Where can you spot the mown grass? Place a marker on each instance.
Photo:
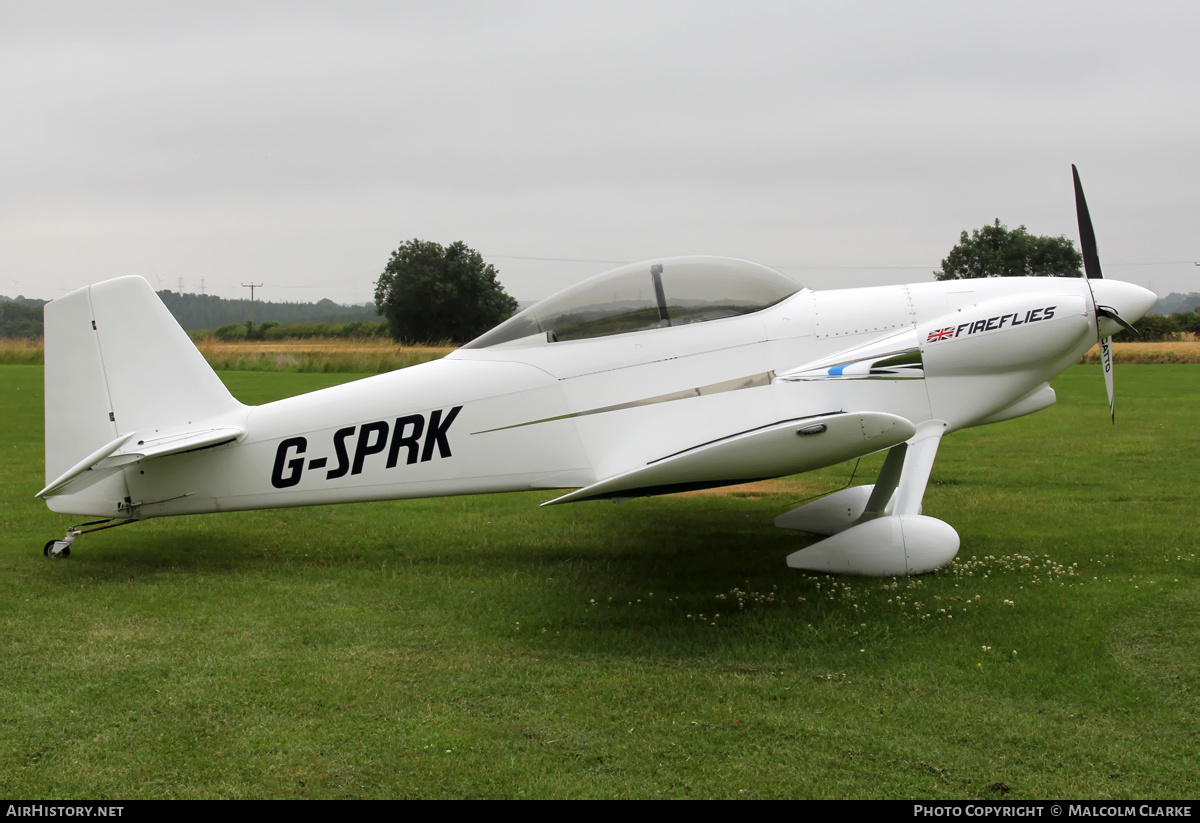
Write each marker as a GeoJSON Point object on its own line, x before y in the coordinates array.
{"type": "Point", "coordinates": [483, 647]}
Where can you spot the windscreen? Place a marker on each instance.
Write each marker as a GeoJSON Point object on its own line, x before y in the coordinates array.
{"type": "Point", "coordinates": [650, 295]}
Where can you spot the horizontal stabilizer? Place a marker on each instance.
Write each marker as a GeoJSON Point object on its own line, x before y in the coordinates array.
{"type": "Point", "coordinates": [787, 447]}
{"type": "Point", "coordinates": [82, 466]}
{"type": "Point", "coordinates": [125, 451]}
{"type": "Point", "coordinates": [177, 443]}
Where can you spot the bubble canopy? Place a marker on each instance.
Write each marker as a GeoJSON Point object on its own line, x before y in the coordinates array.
{"type": "Point", "coordinates": [651, 295]}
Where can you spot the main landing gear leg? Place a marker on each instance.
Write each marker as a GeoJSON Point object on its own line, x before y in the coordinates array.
{"type": "Point", "coordinates": [62, 548]}
{"type": "Point", "coordinates": [879, 530]}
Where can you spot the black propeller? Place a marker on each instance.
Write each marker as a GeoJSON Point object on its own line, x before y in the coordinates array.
{"type": "Point", "coordinates": [1111, 314]}
{"type": "Point", "coordinates": [1087, 235]}
{"type": "Point", "coordinates": [1091, 268]}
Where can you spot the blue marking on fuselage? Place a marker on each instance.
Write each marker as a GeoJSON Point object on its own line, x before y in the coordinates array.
{"type": "Point", "coordinates": [836, 370]}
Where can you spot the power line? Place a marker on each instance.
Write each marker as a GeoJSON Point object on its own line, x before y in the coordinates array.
{"type": "Point", "coordinates": [626, 262]}
{"type": "Point", "coordinates": [792, 266]}
{"type": "Point", "coordinates": [859, 268]}
{"type": "Point", "coordinates": [610, 262]}
{"type": "Point", "coordinates": [555, 259]}
{"type": "Point", "coordinates": [308, 286]}
{"type": "Point", "coordinates": [801, 266]}
{"type": "Point", "coordinates": [1154, 263]}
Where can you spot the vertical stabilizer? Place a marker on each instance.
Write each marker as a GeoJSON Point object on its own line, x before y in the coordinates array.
{"type": "Point", "coordinates": [117, 363]}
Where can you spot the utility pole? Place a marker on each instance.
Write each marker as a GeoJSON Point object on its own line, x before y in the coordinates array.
{"type": "Point", "coordinates": [252, 286]}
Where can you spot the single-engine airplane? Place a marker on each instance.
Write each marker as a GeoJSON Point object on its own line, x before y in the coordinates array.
{"type": "Point", "coordinates": [656, 377]}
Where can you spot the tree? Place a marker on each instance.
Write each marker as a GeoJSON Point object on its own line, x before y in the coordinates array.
{"type": "Point", "coordinates": [430, 294]}
{"type": "Point", "coordinates": [20, 320]}
{"type": "Point", "coordinates": [1151, 328]}
{"type": "Point", "coordinates": [994, 251]}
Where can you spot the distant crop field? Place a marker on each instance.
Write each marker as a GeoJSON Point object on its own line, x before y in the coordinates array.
{"type": "Point", "coordinates": [484, 647]}
{"type": "Point", "coordinates": [1180, 351]}
{"type": "Point", "coordinates": [316, 355]}
{"type": "Point", "coordinates": [20, 351]}
{"type": "Point", "coordinates": [309, 355]}
{"type": "Point", "coordinates": [366, 356]}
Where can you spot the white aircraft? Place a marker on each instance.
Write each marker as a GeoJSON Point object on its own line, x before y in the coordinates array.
{"type": "Point", "coordinates": [657, 377]}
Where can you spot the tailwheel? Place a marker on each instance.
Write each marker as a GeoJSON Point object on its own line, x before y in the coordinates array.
{"type": "Point", "coordinates": [57, 548]}
{"type": "Point", "coordinates": [62, 548]}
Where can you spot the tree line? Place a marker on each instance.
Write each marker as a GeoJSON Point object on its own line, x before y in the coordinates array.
{"type": "Point", "coordinates": [1160, 327]}
{"type": "Point", "coordinates": [270, 330]}
{"type": "Point", "coordinates": [207, 311]}
{"type": "Point", "coordinates": [431, 293]}
{"type": "Point", "coordinates": [22, 317]}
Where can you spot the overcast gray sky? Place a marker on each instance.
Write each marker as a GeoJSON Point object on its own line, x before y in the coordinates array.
{"type": "Point", "coordinates": [297, 144]}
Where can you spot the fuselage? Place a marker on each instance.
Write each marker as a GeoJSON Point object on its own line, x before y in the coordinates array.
{"type": "Point", "coordinates": [567, 413]}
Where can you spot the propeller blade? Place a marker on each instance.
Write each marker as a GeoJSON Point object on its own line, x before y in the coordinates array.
{"type": "Point", "coordinates": [1091, 268]}
{"type": "Point", "coordinates": [1087, 236]}
{"type": "Point", "coordinates": [1111, 314]}
{"type": "Point", "coordinates": [1106, 360]}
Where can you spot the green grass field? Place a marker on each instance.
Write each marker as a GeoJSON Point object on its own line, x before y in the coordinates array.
{"type": "Point", "coordinates": [483, 647]}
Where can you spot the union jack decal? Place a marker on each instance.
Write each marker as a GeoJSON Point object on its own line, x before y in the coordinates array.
{"type": "Point", "coordinates": [940, 334]}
